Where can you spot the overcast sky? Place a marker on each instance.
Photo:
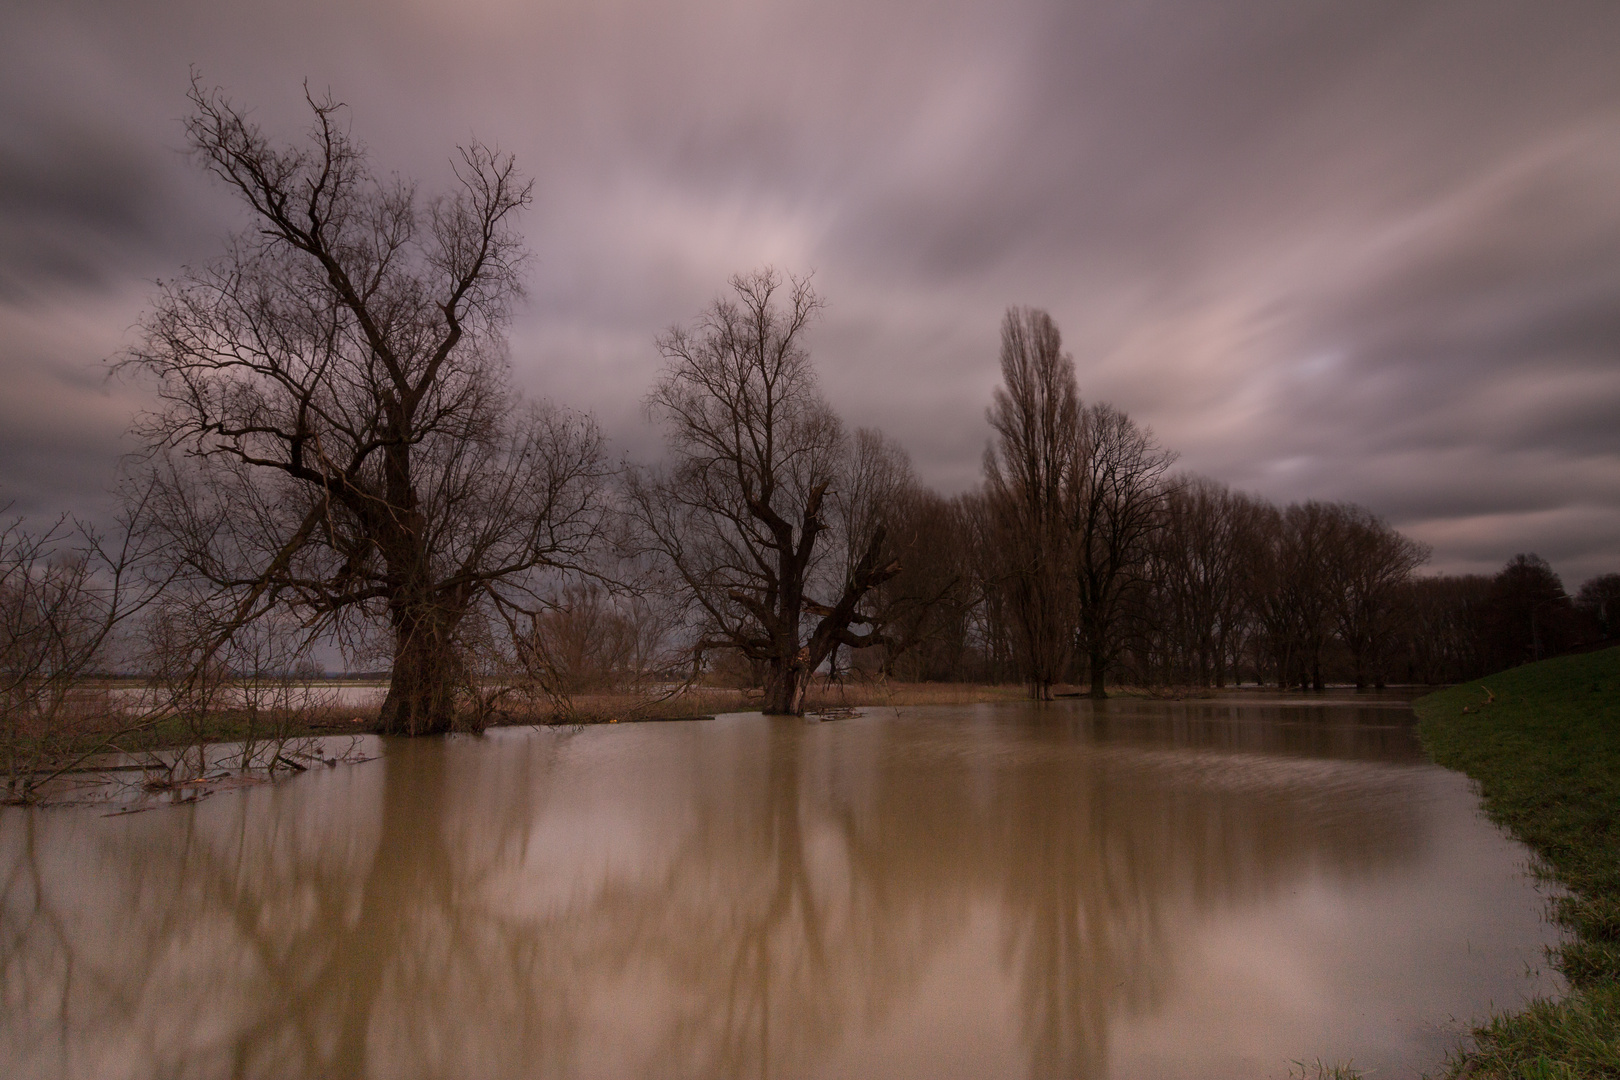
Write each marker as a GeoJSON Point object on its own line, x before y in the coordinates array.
{"type": "Point", "coordinates": [1364, 251]}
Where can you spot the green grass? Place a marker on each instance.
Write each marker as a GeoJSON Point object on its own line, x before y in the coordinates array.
{"type": "Point", "coordinates": [1543, 742]}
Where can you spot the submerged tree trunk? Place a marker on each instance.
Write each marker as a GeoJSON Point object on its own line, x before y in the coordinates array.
{"type": "Point", "coordinates": [422, 686]}
{"type": "Point", "coordinates": [1099, 668]}
{"type": "Point", "coordinates": [785, 686]}
{"type": "Point", "coordinates": [1358, 661]}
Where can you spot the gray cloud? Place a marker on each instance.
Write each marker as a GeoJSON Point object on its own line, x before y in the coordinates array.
{"type": "Point", "coordinates": [1337, 251]}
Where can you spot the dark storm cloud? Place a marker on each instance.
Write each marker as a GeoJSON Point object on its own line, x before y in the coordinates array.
{"type": "Point", "coordinates": [69, 209]}
{"type": "Point", "coordinates": [1365, 251]}
{"type": "Point", "coordinates": [1460, 372]}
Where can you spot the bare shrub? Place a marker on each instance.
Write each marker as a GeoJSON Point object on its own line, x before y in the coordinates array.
{"type": "Point", "coordinates": [63, 594]}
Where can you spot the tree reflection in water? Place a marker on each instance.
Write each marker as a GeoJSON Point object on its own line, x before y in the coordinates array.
{"type": "Point", "coordinates": [737, 898]}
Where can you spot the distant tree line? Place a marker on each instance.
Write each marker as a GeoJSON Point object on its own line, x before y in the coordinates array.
{"type": "Point", "coordinates": [1085, 560]}
{"type": "Point", "coordinates": [1231, 589]}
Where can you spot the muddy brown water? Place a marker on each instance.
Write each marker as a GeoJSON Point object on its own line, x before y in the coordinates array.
{"type": "Point", "coordinates": [1131, 889]}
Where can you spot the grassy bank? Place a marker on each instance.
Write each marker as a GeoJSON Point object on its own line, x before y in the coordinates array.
{"type": "Point", "coordinates": [1543, 741]}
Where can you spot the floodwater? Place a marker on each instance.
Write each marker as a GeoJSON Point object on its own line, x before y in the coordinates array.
{"type": "Point", "coordinates": [1130, 889]}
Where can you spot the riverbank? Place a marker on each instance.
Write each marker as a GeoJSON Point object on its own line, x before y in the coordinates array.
{"type": "Point", "coordinates": [350, 706]}
{"type": "Point", "coordinates": [823, 697]}
{"type": "Point", "coordinates": [1543, 742]}
{"type": "Point", "coordinates": [354, 706]}
{"type": "Point", "coordinates": [321, 709]}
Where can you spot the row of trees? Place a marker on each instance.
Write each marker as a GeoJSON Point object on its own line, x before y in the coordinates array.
{"type": "Point", "coordinates": [1461, 627]}
{"type": "Point", "coordinates": [338, 456]}
{"type": "Point", "coordinates": [1084, 559]}
{"type": "Point", "coordinates": [1228, 588]}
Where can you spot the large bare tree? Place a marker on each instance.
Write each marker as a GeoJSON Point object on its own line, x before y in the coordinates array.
{"type": "Point", "coordinates": [337, 428]}
{"type": "Point", "coordinates": [1029, 487]}
{"type": "Point", "coordinates": [757, 462]}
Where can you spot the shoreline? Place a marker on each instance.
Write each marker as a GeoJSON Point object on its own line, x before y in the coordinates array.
{"type": "Point", "coordinates": [337, 716]}
{"type": "Point", "coordinates": [1542, 742]}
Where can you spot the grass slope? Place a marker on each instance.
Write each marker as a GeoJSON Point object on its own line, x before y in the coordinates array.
{"type": "Point", "coordinates": [1543, 741]}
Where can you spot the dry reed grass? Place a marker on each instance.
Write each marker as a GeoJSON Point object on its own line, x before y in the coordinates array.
{"type": "Point", "coordinates": [611, 707]}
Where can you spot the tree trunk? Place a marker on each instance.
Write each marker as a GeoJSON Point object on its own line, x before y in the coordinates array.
{"type": "Point", "coordinates": [1099, 668]}
{"type": "Point", "coordinates": [422, 686]}
{"type": "Point", "coordinates": [785, 685]}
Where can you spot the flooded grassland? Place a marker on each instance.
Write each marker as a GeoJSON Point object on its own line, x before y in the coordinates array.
{"type": "Point", "coordinates": [1122, 889]}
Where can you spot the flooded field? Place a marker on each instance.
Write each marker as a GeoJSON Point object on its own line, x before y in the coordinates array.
{"type": "Point", "coordinates": [1131, 889]}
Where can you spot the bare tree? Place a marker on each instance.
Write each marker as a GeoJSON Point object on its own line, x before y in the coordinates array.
{"type": "Point", "coordinates": [1029, 486]}
{"type": "Point", "coordinates": [598, 639]}
{"type": "Point", "coordinates": [1292, 593]}
{"type": "Point", "coordinates": [1200, 564]}
{"type": "Point", "coordinates": [1444, 627]}
{"type": "Point", "coordinates": [882, 492]}
{"type": "Point", "coordinates": [1529, 616]}
{"type": "Point", "coordinates": [65, 592]}
{"type": "Point", "coordinates": [338, 438]}
{"type": "Point", "coordinates": [260, 684]}
{"type": "Point", "coordinates": [925, 610]}
{"type": "Point", "coordinates": [758, 461]}
{"type": "Point", "coordinates": [1599, 598]}
{"type": "Point", "coordinates": [878, 480]}
{"type": "Point", "coordinates": [988, 628]}
{"type": "Point", "coordinates": [1369, 566]}
{"type": "Point", "coordinates": [1117, 505]}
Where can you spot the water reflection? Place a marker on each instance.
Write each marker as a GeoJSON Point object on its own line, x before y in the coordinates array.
{"type": "Point", "coordinates": [970, 891]}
